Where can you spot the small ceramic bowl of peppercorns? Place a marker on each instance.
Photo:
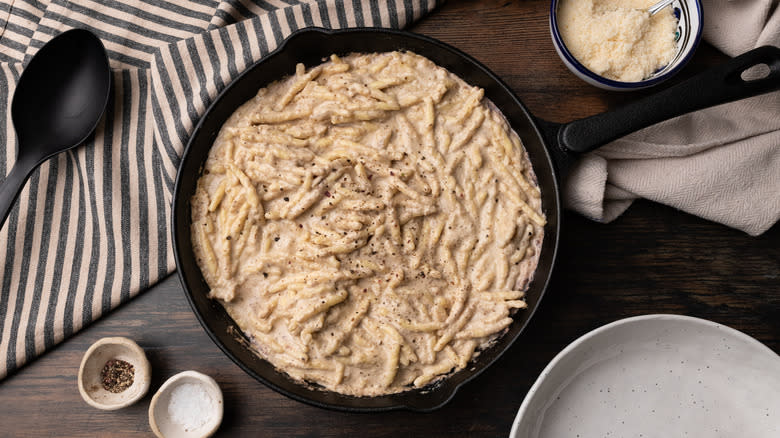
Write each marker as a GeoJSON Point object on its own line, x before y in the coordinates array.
{"type": "Point", "coordinates": [114, 373]}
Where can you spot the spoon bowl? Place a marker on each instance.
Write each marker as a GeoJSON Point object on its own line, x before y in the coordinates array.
{"type": "Point", "coordinates": [59, 100]}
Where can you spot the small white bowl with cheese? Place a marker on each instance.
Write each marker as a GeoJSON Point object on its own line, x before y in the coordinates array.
{"type": "Point", "coordinates": [617, 45]}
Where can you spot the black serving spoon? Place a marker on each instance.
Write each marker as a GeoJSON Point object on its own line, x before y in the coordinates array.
{"type": "Point", "coordinates": [59, 100]}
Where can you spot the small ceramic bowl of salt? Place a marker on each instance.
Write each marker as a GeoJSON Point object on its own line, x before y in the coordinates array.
{"type": "Point", "coordinates": [187, 405]}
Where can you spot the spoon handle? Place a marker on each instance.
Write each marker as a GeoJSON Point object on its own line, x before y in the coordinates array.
{"type": "Point", "coordinates": [658, 6]}
{"type": "Point", "coordinates": [13, 184]}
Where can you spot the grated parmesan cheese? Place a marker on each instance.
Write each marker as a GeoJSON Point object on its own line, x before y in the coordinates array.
{"type": "Point", "coordinates": [618, 39]}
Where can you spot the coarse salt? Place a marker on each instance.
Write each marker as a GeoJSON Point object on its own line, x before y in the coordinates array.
{"type": "Point", "coordinates": [618, 39]}
{"type": "Point", "coordinates": [190, 406]}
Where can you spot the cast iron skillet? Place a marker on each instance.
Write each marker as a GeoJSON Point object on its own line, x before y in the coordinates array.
{"type": "Point", "coordinates": [551, 148]}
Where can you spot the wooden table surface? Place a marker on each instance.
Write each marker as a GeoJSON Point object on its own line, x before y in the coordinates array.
{"type": "Point", "coordinates": [653, 259]}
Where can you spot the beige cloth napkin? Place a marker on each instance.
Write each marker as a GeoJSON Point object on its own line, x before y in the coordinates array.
{"type": "Point", "coordinates": [721, 163]}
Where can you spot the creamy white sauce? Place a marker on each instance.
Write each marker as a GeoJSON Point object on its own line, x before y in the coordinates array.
{"type": "Point", "coordinates": [369, 223]}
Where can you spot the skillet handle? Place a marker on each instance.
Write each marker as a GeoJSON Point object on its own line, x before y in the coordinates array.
{"type": "Point", "coordinates": [718, 85]}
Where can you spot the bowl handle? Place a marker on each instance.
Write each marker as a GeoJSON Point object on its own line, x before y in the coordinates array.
{"type": "Point", "coordinates": [717, 85]}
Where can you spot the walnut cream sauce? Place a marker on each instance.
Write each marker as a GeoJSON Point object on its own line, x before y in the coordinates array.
{"type": "Point", "coordinates": [370, 223]}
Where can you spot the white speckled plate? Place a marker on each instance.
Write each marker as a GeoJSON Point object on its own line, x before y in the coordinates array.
{"type": "Point", "coordinates": [656, 376]}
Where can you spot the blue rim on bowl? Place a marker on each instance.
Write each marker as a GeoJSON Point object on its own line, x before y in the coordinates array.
{"type": "Point", "coordinates": [687, 43]}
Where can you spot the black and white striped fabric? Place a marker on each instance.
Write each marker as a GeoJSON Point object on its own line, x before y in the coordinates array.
{"type": "Point", "coordinates": [91, 228]}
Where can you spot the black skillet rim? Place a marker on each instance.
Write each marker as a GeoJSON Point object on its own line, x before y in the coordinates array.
{"type": "Point", "coordinates": [423, 399]}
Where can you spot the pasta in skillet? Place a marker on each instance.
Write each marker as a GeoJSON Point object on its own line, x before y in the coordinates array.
{"type": "Point", "coordinates": [370, 223]}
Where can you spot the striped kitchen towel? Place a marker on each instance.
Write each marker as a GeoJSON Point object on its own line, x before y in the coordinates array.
{"type": "Point", "coordinates": [91, 228]}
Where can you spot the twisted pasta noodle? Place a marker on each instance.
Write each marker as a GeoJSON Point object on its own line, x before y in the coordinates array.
{"type": "Point", "coordinates": [370, 223]}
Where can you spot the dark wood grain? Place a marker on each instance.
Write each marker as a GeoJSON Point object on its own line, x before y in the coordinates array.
{"type": "Point", "coordinates": [653, 259]}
